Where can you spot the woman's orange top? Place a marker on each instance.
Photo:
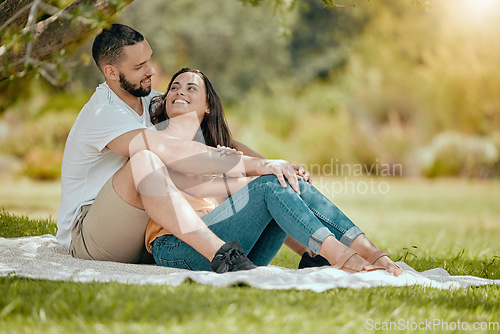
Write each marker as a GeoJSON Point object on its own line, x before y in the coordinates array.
{"type": "Point", "coordinates": [201, 205]}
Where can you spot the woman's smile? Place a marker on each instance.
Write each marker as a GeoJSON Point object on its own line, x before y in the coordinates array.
{"type": "Point", "coordinates": [180, 101]}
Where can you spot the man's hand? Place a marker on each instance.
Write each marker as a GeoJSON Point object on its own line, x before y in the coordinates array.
{"type": "Point", "coordinates": [223, 150]}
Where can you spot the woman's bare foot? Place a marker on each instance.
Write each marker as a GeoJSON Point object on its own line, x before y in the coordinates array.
{"type": "Point", "coordinates": [375, 256]}
{"type": "Point", "coordinates": [344, 258]}
{"type": "Point", "coordinates": [388, 265]}
{"type": "Point", "coordinates": [351, 262]}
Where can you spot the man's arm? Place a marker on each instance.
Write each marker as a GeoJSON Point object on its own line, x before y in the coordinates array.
{"type": "Point", "coordinates": [195, 158]}
{"type": "Point", "coordinates": [186, 156]}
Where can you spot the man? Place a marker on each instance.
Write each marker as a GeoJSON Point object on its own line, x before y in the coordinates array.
{"type": "Point", "coordinates": [114, 174]}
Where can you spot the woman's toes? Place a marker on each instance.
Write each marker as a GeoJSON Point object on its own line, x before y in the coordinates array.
{"type": "Point", "coordinates": [398, 271]}
{"type": "Point", "coordinates": [389, 266]}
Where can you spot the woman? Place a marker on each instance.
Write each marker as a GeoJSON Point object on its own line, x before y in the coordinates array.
{"type": "Point", "coordinates": [258, 212]}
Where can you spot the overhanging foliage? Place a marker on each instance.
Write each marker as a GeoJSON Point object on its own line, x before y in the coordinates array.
{"type": "Point", "coordinates": [37, 33]}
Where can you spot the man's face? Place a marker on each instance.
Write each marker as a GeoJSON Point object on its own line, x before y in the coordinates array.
{"type": "Point", "coordinates": [137, 90]}
{"type": "Point", "coordinates": [135, 70]}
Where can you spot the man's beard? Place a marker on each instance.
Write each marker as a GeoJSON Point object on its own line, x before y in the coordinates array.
{"type": "Point", "coordinates": [132, 89]}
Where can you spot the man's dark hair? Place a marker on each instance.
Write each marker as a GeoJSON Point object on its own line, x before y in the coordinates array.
{"type": "Point", "coordinates": [108, 45]}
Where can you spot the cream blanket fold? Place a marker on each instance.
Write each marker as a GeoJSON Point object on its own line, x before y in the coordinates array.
{"type": "Point", "coordinates": [41, 257]}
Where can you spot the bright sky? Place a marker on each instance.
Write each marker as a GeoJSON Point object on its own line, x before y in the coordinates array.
{"type": "Point", "coordinates": [476, 11]}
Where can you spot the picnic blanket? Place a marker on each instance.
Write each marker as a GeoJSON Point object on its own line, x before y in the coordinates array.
{"type": "Point", "coordinates": [41, 257]}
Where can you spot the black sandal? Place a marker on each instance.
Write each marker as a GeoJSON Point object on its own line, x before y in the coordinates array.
{"type": "Point", "coordinates": [308, 261]}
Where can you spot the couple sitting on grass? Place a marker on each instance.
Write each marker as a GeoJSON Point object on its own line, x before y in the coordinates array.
{"type": "Point", "coordinates": [148, 173]}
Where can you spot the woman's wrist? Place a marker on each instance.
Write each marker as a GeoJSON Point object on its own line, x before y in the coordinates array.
{"type": "Point", "coordinates": [256, 166]}
{"type": "Point", "coordinates": [263, 167]}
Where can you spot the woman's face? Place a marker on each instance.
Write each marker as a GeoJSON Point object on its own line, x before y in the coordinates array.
{"type": "Point", "coordinates": [187, 95]}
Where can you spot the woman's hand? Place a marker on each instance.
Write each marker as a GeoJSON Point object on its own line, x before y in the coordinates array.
{"type": "Point", "coordinates": [303, 173]}
{"type": "Point", "coordinates": [283, 170]}
{"type": "Point", "coordinates": [223, 150]}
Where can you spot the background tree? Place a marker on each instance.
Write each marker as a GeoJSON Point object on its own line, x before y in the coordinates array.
{"type": "Point", "coordinates": [35, 30]}
{"type": "Point", "coordinates": [383, 82]}
{"type": "Point", "coordinates": [38, 35]}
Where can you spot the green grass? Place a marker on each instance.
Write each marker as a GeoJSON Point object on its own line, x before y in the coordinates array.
{"type": "Point", "coordinates": [454, 224]}
{"type": "Point", "coordinates": [17, 226]}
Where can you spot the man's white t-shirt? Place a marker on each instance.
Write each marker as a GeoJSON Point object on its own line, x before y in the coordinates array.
{"type": "Point", "coordinates": [87, 162]}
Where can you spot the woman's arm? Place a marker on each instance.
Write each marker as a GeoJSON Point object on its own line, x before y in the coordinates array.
{"type": "Point", "coordinates": [209, 186]}
{"type": "Point", "coordinates": [246, 150]}
{"type": "Point", "coordinates": [299, 170]}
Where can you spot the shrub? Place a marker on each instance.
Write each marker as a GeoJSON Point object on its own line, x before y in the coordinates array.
{"type": "Point", "coordinates": [456, 154]}
{"type": "Point", "coordinates": [40, 144]}
{"type": "Point", "coordinates": [42, 164]}
{"type": "Point", "coordinates": [496, 168]}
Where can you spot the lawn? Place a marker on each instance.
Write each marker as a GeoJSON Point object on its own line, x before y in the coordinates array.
{"type": "Point", "coordinates": [449, 223]}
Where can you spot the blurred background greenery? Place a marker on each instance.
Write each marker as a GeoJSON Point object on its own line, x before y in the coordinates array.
{"type": "Point", "coordinates": [392, 82]}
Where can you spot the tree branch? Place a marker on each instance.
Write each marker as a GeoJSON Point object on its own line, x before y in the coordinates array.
{"type": "Point", "coordinates": [67, 30]}
{"type": "Point", "coordinates": [62, 29]}
{"type": "Point", "coordinates": [15, 11]}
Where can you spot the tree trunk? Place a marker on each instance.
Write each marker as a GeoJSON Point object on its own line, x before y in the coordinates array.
{"type": "Point", "coordinates": [9, 8]}
{"type": "Point", "coordinates": [58, 31]}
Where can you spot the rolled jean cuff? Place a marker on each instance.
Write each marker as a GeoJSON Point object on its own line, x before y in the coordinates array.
{"type": "Point", "coordinates": [350, 235]}
{"type": "Point", "coordinates": [317, 239]}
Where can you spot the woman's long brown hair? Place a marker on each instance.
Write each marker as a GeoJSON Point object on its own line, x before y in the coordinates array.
{"type": "Point", "coordinates": [214, 126]}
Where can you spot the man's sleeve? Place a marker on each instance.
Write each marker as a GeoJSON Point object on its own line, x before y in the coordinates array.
{"type": "Point", "coordinates": [105, 124]}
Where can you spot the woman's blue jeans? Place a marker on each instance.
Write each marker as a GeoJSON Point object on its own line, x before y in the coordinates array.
{"type": "Point", "coordinates": [260, 216]}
